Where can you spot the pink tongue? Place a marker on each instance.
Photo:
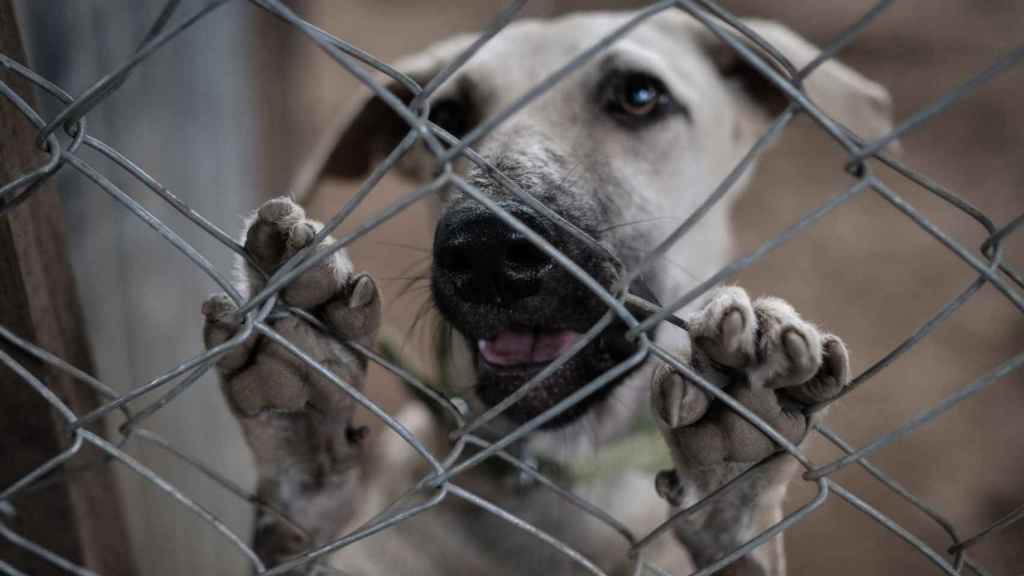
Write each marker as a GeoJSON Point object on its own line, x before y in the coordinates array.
{"type": "Point", "coordinates": [509, 348]}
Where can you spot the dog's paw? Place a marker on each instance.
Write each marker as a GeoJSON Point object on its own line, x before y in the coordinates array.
{"type": "Point", "coordinates": [349, 302]}
{"type": "Point", "coordinates": [763, 354]}
{"type": "Point", "coordinates": [261, 376]}
{"type": "Point", "coordinates": [296, 415]}
{"type": "Point", "coordinates": [278, 232]}
{"type": "Point", "coordinates": [776, 365]}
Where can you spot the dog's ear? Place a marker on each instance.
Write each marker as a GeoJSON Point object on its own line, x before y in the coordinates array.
{"type": "Point", "coordinates": [858, 103]}
{"type": "Point", "coordinates": [368, 129]}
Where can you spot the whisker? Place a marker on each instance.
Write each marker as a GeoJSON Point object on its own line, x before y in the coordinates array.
{"type": "Point", "coordinates": [636, 222]}
{"type": "Point", "coordinates": [570, 173]}
{"type": "Point", "coordinates": [411, 281]}
{"type": "Point", "coordinates": [425, 261]}
{"type": "Point", "coordinates": [643, 252]}
{"type": "Point", "coordinates": [403, 245]}
{"type": "Point", "coordinates": [424, 310]}
{"type": "Point", "coordinates": [443, 347]}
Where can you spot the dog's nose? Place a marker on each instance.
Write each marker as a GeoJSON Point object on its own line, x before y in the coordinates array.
{"type": "Point", "coordinates": [488, 261]}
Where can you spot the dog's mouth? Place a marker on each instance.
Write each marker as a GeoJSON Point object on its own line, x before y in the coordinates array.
{"type": "Point", "coordinates": [512, 357]}
{"type": "Point", "coordinates": [511, 349]}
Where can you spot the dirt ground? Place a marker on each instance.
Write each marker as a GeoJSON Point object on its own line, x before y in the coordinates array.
{"type": "Point", "coordinates": [865, 271]}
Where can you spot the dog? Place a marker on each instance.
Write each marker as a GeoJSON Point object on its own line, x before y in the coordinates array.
{"type": "Point", "coordinates": [619, 152]}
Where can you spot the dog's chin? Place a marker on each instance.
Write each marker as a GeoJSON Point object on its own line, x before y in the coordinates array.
{"type": "Point", "coordinates": [511, 358]}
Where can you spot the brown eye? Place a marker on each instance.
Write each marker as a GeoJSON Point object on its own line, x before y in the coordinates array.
{"type": "Point", "coordinates": [639, 95]}
{"type": "Point", "coordinates": [637, 99]}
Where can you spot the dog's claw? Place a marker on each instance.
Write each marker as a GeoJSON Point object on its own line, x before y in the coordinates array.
{"type": "Point", "coordinates": [724, 328]}
{"type": "Point", "coordinates": [677, 402]}
{"type": "Point", "coordinates": [363, 292]}
{"type": "Point", "coordinates": [733, 328]}
{"type": "Point", "coordinates": [803, 361]}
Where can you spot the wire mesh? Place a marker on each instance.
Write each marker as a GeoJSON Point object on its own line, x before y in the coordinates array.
{"type": "Point", "coordinates": [62, 154]}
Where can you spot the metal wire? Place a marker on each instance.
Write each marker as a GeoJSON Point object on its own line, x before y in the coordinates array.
{"type": "Point", "coordinates": [986, 262]}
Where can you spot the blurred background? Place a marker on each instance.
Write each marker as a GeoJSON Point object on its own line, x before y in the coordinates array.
{"type": "Point", "coordinates": [226, 114]}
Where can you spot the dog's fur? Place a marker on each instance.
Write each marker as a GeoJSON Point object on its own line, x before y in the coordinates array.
{"type": "Point", "coordinates": [626, 185]}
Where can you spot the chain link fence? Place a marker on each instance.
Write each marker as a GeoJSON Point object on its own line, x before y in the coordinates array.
{"type": "Point", "coordinates": [63, 136]}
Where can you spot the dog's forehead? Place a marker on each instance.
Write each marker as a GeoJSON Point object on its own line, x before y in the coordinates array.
{"type": "Point", "coordinates": [528, 51]}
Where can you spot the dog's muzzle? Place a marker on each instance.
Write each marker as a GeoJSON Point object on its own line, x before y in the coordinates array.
{"type": "Point", "coordinates": [518, 307]}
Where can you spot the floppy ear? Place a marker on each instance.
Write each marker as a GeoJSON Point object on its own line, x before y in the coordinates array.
{"type": "Point", "coordinates": [368, 129]}
{"type": "Point", "coordinates": [848, 97]}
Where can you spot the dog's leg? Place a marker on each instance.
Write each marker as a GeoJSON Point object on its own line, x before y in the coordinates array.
{"type": "Point", "coordinates": [295, 420]}
{"type": "Point", "coordinates": [775, 364]}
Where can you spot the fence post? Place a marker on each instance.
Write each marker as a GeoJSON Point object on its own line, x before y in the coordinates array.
{"type": "Point", "coordinates": [79, 520]}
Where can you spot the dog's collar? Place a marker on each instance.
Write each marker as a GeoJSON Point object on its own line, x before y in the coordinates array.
{"type": "Point", "coordinates": [642, 450]}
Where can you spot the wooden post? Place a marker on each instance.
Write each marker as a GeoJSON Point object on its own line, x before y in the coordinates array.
{"type": "Point", "coordinates": [79, 519]}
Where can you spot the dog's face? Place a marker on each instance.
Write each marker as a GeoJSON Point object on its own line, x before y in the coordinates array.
{"type": "Point", "coordinates": [623, 149]}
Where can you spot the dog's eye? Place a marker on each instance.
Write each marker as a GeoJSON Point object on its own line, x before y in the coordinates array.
{"type": "Point", "coordinates": [637, 97]}
{"type": "Point", "coordinates": [450, 114]}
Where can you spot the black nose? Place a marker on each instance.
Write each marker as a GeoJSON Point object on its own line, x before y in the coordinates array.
{"type": "Point", "coordinates": [486, 261]}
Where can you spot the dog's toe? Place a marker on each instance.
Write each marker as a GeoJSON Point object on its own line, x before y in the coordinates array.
{"type": "Point", "coordinates": [675, 400]}
{"type": "Point", "coordinates": [789, 349]}
{"type": "Point", "coordinates": [725, 327]}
